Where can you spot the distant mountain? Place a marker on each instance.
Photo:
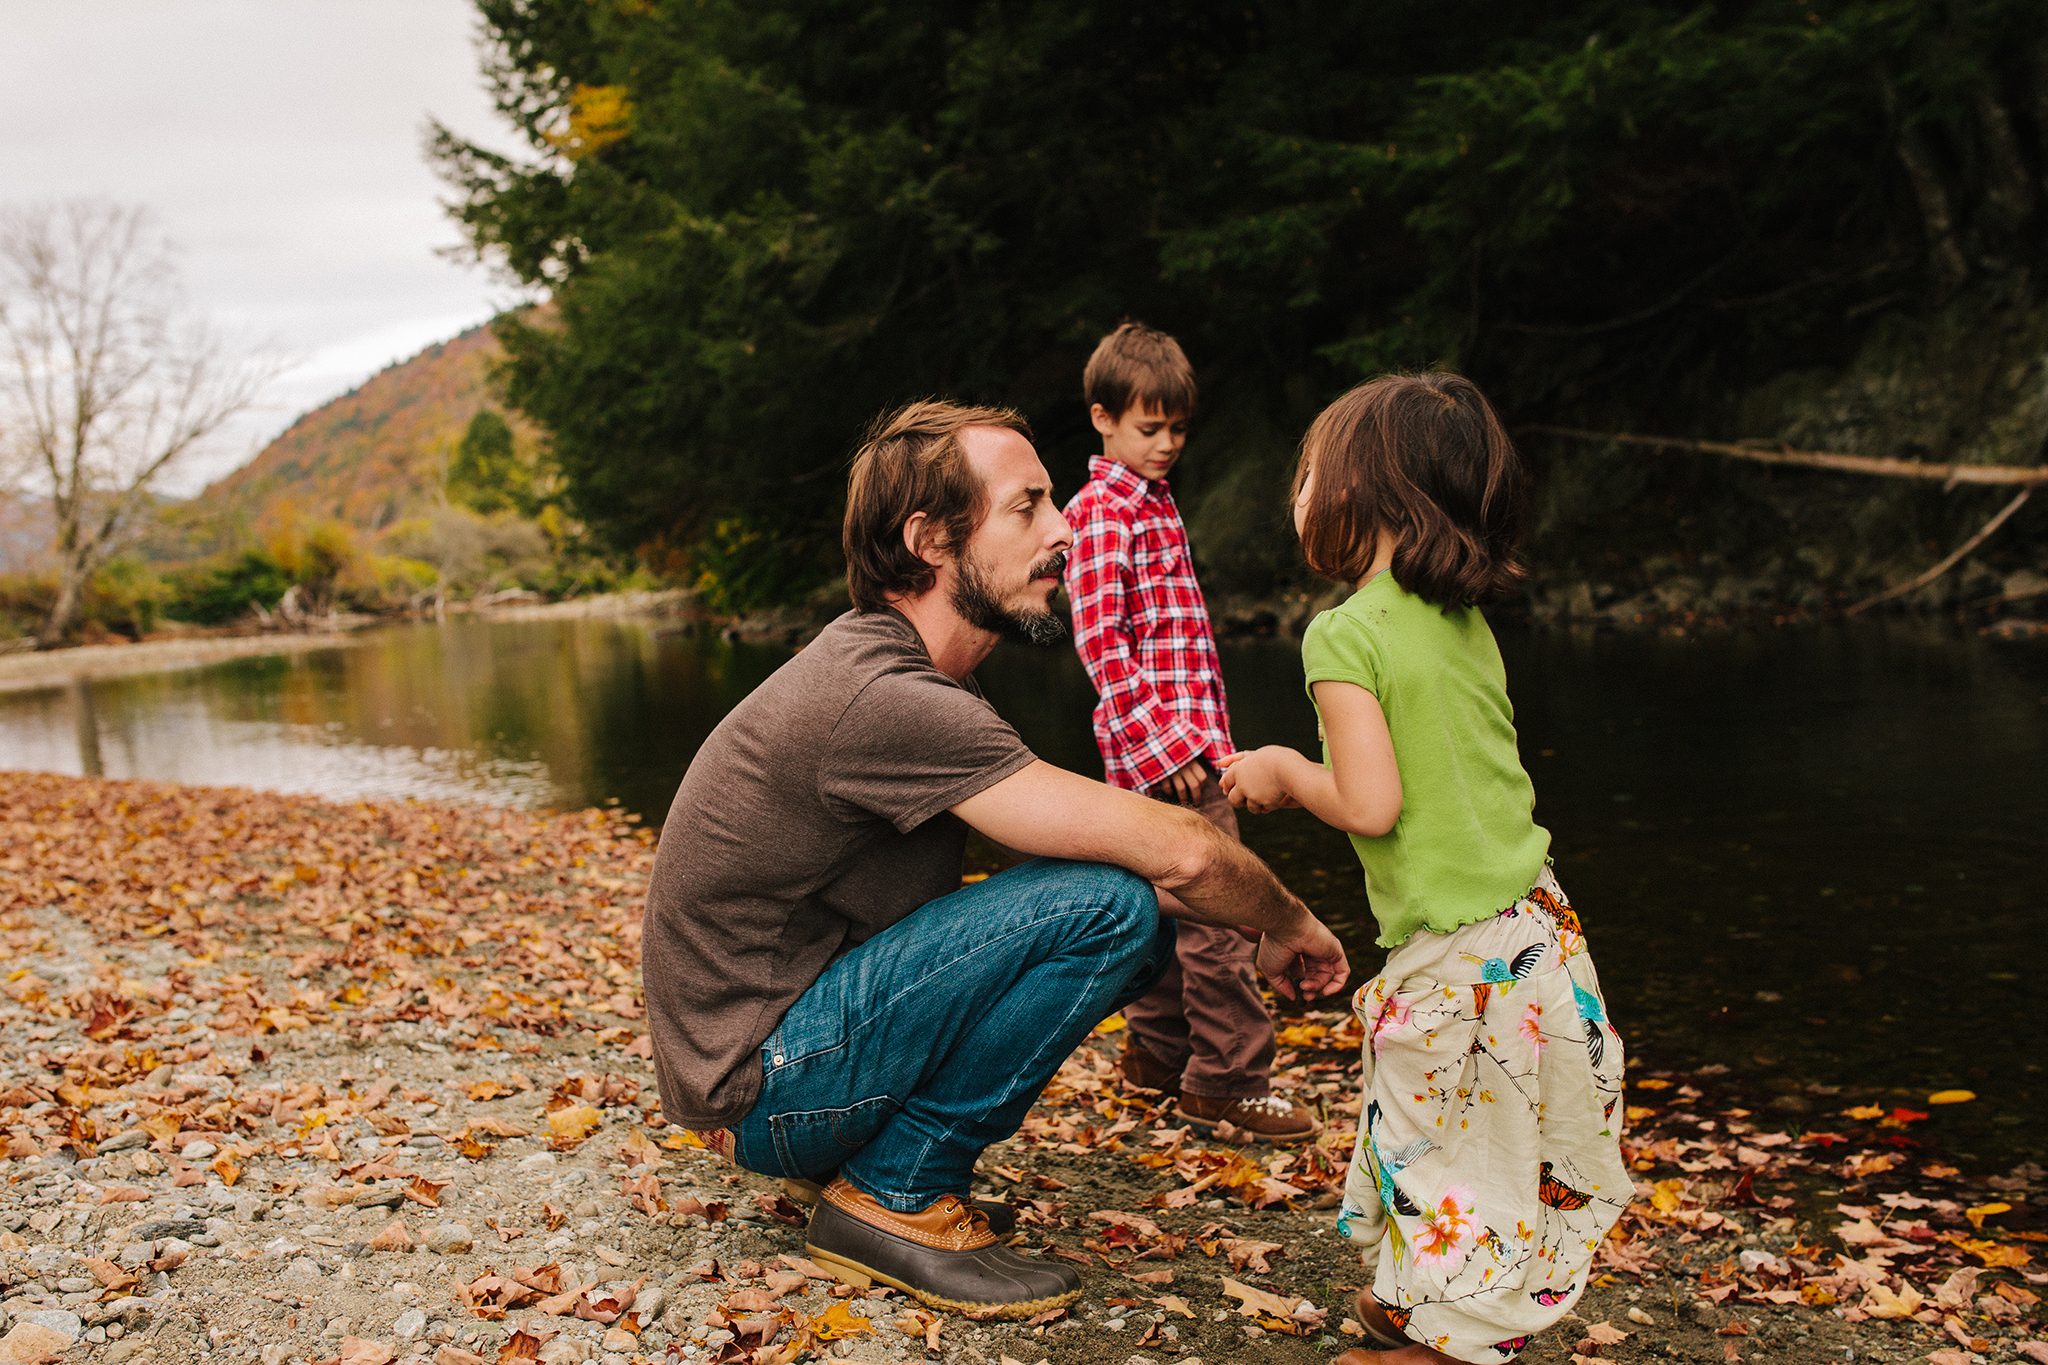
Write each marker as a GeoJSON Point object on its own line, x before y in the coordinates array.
{"type": "Point", "coordinates": [372, 456]}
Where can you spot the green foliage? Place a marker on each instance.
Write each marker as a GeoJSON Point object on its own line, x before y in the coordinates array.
{"type": "Point", "coordinates": [763, 222]}
{"type": "Point", "coordinates": [215, 593]}
{"type": "Point", "coordinates": [487, 474]}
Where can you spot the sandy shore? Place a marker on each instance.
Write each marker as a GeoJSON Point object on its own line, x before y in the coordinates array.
{"type": "Point", "coordinates": [28, 672]}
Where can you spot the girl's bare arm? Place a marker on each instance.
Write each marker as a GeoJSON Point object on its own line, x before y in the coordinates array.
{"type": "Point", "coordinates": [1359, 793]}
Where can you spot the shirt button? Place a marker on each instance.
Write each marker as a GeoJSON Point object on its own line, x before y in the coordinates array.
{"type": "Point", "coordinates": [778, 1059]}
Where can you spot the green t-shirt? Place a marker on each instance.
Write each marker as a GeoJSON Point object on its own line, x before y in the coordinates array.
{"type": "Point", "coordinates": [1466, 845]}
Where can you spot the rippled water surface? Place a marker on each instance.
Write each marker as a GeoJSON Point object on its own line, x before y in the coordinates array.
{"type": "Point", "coordinates": [1813, 858]}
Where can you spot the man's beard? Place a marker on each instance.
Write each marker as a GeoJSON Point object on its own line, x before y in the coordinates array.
{"type": "Point", "coordinates": [979, 606]}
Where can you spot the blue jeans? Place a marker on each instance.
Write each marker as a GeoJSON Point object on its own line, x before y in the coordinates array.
{"type": "Point", "coordinates": [921, 1046]}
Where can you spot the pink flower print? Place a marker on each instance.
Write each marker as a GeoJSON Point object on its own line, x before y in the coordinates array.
{"type": "Point", "coordinates": [1532, 1027]}
{"type": "Point", "coordinates": [1445, 1234]}
{"type": "Point", "coordinates": [1393, 1014]}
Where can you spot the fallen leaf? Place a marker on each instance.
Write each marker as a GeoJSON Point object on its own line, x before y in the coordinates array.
{"type": "Point", "coordinates": [575, 1122]}
{"type": "Point", "coordinates": [394, 1237]}
{"type": "Point", "coordinates": [124, 1194]}
{"type": "Point", "coordinates": [358, 1351]}
{"type": "Point", "coordinates": [838, 1322]}
{"type": "Point", "coordinates": [1978, 1213]}
{"type": "Point", "coordinates": [1173, 1303]}
{"type": "Point", "coordinates": [1952, 1097]}
{"type": "Point", "coordinates": [1605, 1334]}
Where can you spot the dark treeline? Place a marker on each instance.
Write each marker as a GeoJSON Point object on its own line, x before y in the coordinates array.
{"type": "Point", "coordinates": [764, 220]}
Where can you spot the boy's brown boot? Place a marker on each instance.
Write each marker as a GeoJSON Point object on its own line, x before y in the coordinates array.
{"type": "Point", "coordinates": [944, 1256]}
{"type": "Point", "coordinates": [1144, 1071]}
{"type": "Point", "coordinates": [1266, 1119]}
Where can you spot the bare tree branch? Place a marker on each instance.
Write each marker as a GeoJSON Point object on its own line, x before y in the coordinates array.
{"type": "Point", "coordinates": [1882, 466]}
{"type": "Point", "coordinates": [1954, 559]}
{"type": "Point", "coordinates": [107, 385]}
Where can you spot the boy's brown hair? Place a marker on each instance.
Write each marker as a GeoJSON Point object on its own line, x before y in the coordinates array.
{"type": "Point", "coordinates": [1422, 456]}
{"type": "Point", "coordinates": [911, 461]}
{"type": "Point", "coordinates": [1140, 364]}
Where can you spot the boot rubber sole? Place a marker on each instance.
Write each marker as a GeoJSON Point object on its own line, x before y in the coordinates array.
{"type": "Point", "coordinates": [1208, 1126]}
{"type": "Point", "coordinates": [865, 1277]}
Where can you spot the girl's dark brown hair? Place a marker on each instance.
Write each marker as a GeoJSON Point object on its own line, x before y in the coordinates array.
{"type": "Point", "coordinates": [1424, 457]}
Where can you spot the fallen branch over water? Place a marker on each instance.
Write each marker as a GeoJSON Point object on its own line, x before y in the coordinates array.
{"type": "Point", "coordinates": [1949, 474]}
{"type": "Point", "coordinates": [1949, 563]}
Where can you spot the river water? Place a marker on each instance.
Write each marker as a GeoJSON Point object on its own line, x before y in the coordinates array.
{"type": "Point", "coordinates": [1813, 858]}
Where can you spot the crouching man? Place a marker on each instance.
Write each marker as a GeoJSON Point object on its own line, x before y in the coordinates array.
{"type": "Point", "coordinates": [828, 1003]}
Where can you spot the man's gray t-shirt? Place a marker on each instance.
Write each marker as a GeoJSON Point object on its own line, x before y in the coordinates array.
{"type": "Point", "coordinates": [814, 817]}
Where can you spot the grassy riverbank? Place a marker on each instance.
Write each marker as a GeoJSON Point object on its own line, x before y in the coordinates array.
{"type": "Point", "coordinates": [292, 1081]}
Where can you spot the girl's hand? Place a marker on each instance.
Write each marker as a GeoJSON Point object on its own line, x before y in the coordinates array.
{"type": "Point", "coordinates": [1255, 782]}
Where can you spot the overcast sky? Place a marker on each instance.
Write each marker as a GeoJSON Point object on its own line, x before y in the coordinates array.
{"type": "Point", "coordinates": [278, 141]}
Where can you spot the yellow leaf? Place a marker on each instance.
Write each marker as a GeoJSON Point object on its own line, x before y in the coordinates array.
{"type": "Point", "coordinates": [1864, 1111]}
{"type": "Point", "coordinates": [1111, 1024]}
{"type": "Point", "coordinates": [1883, 1303]}
{"type": "Point", "coordinates": [839, 1321]}
{"type": "Point", "coordinates": [575, 1122]}
{"type": "Point", "coordinates": [1952, 1097]}
{"type": "Point", "coordinates": [1980, 1212]}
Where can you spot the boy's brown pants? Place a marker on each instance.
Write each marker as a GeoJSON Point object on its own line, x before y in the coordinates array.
{"type": "Point", "coordinates": [1206, 1018]}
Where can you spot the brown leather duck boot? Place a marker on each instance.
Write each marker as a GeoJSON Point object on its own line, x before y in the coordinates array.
{"type": "Point", "coordinates": [944, 1257]}
{"type": "Point", "coordinates": [1002, 1219]}
{"type": "Point", "coordinates": [1266, 1119]}
{"type": "Point", "coordinates": [1144, 1071]}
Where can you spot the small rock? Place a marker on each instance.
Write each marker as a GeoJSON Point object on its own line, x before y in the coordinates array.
{"type": "Point", "coordinates": [1637, 1315]}
{"type": "Point", "coordinates": [121, 1350]}
{"type": "Point", "coordinates": [388, 1197]}
{"type": "Point", "coordinates": [201, 1150]}
{"type": "Point", "coordinates": [305, 1268]}
{"type": "Point", "coordinates": [565, 1350]}
{"type": "Point", "coordinates": [613, 1358]}
{"type": "Point", "coordinates": [421, 1140]}
{"type": "Point", "coordinates": [450, 1239]}
{"type": "Point", "coordinates": [57, 1320]}
{"type": "Point", "coordinates": [167, 1227]}
{"type": "Point", "coordinates": [1113, 1325]}
{"type": "Point", "coordinates": [539, 1161]}
{"type": "Point", "coordinates": [121, 1142]}
{"type": "Point", "coordinates": [619, 1339]}
{"type": "Point", "coordinates": [409, 1325]}
{"type": "Point", "coordinates": [160, 1077]}
{"type": "Point", "coordinates": [135, 1255]}
{"type": "Point", "coordinates": [76, 1284]}
{"type": "Point", "coordinates": [647, 1303]}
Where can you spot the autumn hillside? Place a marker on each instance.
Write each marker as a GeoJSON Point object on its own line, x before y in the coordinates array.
{"type": "Point", "coordinates": [374, 454]}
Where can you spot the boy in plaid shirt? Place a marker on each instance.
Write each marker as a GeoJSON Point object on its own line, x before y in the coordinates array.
{"type": "Point", "coordinates": [1203, 1034]}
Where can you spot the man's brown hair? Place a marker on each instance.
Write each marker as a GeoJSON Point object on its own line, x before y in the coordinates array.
{"type": "Point", "coordinates": [1424, 457]}
{"type": "Point", "coordinates": [1140, 364]}
{"type": "Point", "coordinates": [911, 461]}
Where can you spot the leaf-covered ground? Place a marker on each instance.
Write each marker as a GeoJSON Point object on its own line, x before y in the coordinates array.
{"type": "Point", "coordinates": [290, 1081]}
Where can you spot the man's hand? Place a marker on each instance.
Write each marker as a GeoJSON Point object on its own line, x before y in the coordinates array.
{"type": "Point", "coordinates": [1253, 780]}
{"type": "Point", "coordinates": [1185, 785]}
{"type": "Point", "coordinates": [1306, 959]}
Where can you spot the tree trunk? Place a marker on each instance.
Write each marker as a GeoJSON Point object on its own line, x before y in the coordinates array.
{"type": "Point", "coordinates": [64, 611]}
{"type": "Point", "coordinates": [1936, 217]}
{"type": "Point", "coordinates": [2010, 196]}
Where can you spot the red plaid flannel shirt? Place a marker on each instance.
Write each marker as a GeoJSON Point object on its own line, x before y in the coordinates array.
{"type": "Point", "coordinates": [1142, 629]}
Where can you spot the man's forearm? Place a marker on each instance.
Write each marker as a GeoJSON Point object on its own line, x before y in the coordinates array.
{"type": "Point", "coordinates": [1222, 882]}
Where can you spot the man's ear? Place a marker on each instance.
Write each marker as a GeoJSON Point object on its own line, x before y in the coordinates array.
{"type": "Point", "coordinates": [921, 538]}
{"type": "Point", "coordinates": [1105, 425]}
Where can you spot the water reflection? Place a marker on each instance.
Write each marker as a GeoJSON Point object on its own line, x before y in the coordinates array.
{"type": "Point", "coordinates": [1813, 858]}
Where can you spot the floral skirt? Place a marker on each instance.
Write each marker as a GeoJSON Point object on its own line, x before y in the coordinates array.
{"type": "Point", "coordinates": [1488, 1166]}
